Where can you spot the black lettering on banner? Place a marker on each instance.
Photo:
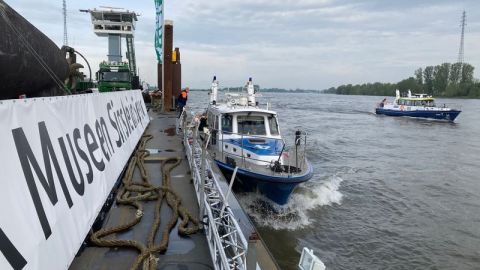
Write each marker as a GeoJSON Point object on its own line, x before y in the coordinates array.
{"type": "Point", "coordinates": [134, 119]}
{"type": "Point", "coordinates": [101, 139]}
{"type": "Point", "coordinates": [106, 135]}
{"type": "Point", "coordinates": [125, 117]}
{"type": "Point", "coordinates": [79, 187]}
{"type": "Point", "coordinates": [79, 170]}
{"type": "Point", "coordinates": [114, 124]}
{"type": "Point", "coordinates": [27, 158]}
{"type": "Point", "coordinates": [137, 111]}
{"type": "Point", "coordinates": [83, 155]}
{"type": "Point", "coordinates": [125, 127]}
{"type": "Point", "coordinates": [92, 146]}
{"type": "Point", "coordinates": [140, 109]}
{"type": "Point", "coordinates": [13, 256]}
{"type": "Point", "coordinates": [119, 124]}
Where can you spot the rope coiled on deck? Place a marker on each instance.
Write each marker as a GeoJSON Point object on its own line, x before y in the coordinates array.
{"type": "Point", "coordinates": [134, 194]}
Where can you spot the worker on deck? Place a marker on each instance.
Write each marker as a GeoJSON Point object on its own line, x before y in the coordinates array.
{"type": "Point", "coordinates": [182, 100]}
{"type": "Point", "coordinates": [382, 104]}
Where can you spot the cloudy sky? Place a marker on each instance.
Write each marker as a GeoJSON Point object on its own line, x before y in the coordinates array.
{"type": "Point", "coordinates": [312, 44]}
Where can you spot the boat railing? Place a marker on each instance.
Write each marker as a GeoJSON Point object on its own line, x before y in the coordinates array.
{"type": "Point", "coordinates": [453, 106]}
{"type": "Point", "coordinates": [290, 161]}
{"type": "Point", "coordinates": [227, 243]}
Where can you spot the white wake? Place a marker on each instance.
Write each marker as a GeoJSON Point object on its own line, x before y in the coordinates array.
{"type": "Point", "coordinates": [295, 214]}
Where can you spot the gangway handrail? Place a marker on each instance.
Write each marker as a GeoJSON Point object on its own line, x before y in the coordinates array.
{"type": "Point", "coordinates": [228, 246]}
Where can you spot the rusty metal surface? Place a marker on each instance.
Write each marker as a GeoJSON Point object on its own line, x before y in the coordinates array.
{"type": "Point", "coordinates": [168, 69]}
{"type": "Point", "coordinates": [183, 252]}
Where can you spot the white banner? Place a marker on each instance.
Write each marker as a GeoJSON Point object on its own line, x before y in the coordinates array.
{"type": "Point", "coordinates": [59, 159]}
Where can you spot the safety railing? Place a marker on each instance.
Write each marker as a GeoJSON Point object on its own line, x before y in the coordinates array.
{"type": "Point", "coordinates": [453, 106]}
{"type": "Point", "coordinates": [228, 246]}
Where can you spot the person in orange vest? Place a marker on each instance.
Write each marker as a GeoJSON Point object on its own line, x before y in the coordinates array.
{"type": "Point", "coordinates": [182, 100]}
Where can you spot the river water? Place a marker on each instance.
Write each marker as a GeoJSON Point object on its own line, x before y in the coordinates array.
{"type": "Point", "coordinates": [388, 193]}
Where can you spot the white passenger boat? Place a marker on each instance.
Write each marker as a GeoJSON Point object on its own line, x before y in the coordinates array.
{"type": "Point", "coordinates": [246, 136]}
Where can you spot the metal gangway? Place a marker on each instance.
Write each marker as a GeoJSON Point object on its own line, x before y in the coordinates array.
{"type": "Point", "coordinates": [228, 246]}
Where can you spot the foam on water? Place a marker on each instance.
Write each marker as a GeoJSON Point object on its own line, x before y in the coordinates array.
{"type": "Point", "coordinates": [294, 215]}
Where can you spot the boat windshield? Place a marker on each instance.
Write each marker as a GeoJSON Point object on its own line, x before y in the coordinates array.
{"type": "Point", "coordinates": [251, 125]}
{"type": "Point", "coordinates": [272, 122]}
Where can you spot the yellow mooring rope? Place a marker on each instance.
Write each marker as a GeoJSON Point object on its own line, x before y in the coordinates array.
{"type": "Point", "coordinates": [134, 194]}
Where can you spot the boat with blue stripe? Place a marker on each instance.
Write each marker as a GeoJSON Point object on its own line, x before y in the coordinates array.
{"type": "Point", "coordinates": [418, 106]}
{"type": "Point", "coordinates": [242, 135]}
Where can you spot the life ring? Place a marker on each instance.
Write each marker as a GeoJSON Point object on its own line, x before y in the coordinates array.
{"type": "Point", "coordinates": [402, 107]}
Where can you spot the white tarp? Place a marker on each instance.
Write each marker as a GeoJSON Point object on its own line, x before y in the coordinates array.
{"type": "Point", "coordinates": [59, 159]}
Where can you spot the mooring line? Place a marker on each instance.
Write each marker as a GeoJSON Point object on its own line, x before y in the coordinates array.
{"type": "Point", "coordinates": [135, 194]}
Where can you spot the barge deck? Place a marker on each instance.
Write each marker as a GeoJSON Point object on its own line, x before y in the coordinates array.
{"type": "Point", "coordinates": [183, 252]}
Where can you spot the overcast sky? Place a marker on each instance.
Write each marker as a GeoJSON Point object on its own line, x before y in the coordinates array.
{"type": "Point", "coordinates": [312, 44]}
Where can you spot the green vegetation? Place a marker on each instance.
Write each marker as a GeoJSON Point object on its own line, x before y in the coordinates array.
{"type": "Point", "coordinates": [445, 80]}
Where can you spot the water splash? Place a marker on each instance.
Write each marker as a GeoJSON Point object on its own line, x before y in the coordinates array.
{"type": "Point", "coordinates": [293, 215]}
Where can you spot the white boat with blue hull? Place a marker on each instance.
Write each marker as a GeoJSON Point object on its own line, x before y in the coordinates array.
{"type": "Point", "coordinates": [417, 105]}
{"type": "Point", "coordinates": [246, 136]}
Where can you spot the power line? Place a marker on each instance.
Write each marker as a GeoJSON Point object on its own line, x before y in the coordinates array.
{"type": "Point", "coordinates": [65, 35]}
{"type": "Point", "coordinates": [461, 49]}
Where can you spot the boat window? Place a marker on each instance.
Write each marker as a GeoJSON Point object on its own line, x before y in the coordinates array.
{"type": "Point", "coordinates": [431, 103]}
{"type": "Point", "coordinates": [272, 122]}
{"type": "Point", "coordinates": [251, 125]}
{"type": "Point", "coordinates": [227, 121]}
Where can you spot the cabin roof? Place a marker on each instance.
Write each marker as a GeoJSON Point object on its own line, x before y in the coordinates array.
{"type": "Point", "coordinates": [417, 98]}
{"type": "Point", "coordinates": [222, 108]}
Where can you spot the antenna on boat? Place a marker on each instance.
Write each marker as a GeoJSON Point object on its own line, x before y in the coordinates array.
{"type": "Point", "coordinates": [397, 94]}
{"type": "Point", "coordinates": [214, 91]}
{"type": "Point", "coordinates": [409, 93]}
{"type": "Point", "coordinates": [251, 92]}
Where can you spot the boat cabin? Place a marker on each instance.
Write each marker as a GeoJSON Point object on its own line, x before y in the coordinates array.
{"type": "Point", "coordinates": [244, 132]}
{"type": "Point", "coordinates": [425, 102]}
{"type": "Point", "coordinates": [254, 122]}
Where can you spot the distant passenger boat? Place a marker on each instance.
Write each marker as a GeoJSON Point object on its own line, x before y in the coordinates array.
{"type": "Point", "coordinates": [417, 105]}
{"type": "Point", "coordinates": [248, 137]}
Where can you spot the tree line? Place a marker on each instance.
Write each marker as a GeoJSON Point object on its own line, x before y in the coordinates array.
{"type": "Point", "coordinates": [444, 80]}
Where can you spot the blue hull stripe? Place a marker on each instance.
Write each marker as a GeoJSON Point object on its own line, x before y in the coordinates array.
{"type": "Point", "coordinates": [440, 115]}
{"type": "Point", "coordinates": [271, 147]}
